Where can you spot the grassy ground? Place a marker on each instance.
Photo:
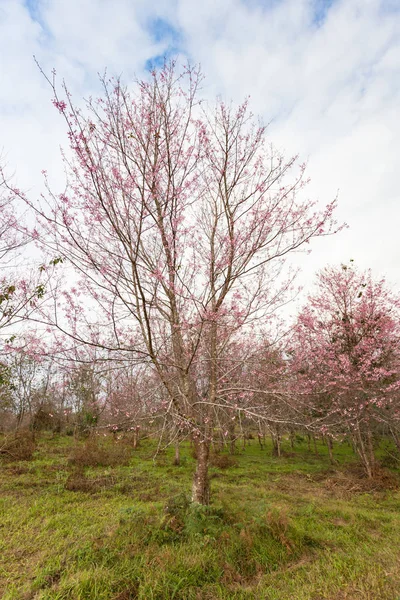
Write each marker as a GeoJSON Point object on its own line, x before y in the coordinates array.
{"type": "Point", "coordinates": [278, 529]}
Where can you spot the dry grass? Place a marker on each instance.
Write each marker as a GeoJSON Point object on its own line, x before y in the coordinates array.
{"type": "Point", "coordinates": [353, 480]}
{"type": "Point", "coordinates": [78, 482]}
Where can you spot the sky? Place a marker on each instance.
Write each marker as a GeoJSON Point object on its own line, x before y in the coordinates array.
{"type": "Point", "coordinates": [325, 75]}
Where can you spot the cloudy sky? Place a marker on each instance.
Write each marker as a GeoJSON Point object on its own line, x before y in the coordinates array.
{"type": "Point", "coordinates": [324, 73]}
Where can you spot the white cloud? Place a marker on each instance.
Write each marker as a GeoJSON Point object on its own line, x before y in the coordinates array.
{"type": "Point", "coordinates": [331, 87]}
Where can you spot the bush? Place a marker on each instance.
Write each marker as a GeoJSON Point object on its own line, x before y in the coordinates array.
{"type": "Point", "coordinates": [18, 446]}
{"type": "Point", "coordinates": [46, 418]}
{"type": "Point", "coordinates": [278, 525]}
{"type": "Point", "coordinates": [94, 454]}
{"type": "Point", "coordinates": [223, 461]}
{"type": "Point", "coordinates": [188, 519]}
{"type": "Point", "coordinates": [204, 521]}
{"type": "Point", "coordinates": [177, 506]}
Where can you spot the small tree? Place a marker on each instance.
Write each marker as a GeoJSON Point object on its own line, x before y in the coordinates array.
{"type": "Point", "coordinates": [84, 388]}
{"type": "Point", "coordinates": [178, 216]}
{"type": "Point", "coordinates": [346, 355]}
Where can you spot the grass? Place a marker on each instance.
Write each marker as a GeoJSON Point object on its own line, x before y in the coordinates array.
{"type": "Point", "coordinates": [277, 529]}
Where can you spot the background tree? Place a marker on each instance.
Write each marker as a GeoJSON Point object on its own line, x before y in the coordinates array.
{"type": "Point", "coordinates": [347, 345]}
{"type": "Point", "coordinates": [21, 288]}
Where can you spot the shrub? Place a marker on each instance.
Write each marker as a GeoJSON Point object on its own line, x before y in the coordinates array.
{"type": "Point", "coordinates": [177, 506]}
{"type": "Point", "coordinates": [223, 461]}
{"type": "Point", "coordinates": [46, 418]}
{"type": "Point", "coordinates": [188, 519]}
{"type": "Point", "coordinates": [94, 454]}
{"type": "Point", "coordinates": [205, 521]}
{"type": "Point", "coordinates": [278, 525]}
{"type": "Point", "coordinates": [18, 446]}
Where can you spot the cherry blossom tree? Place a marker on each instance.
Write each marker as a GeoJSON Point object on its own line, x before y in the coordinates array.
{"type": "Point", "coordinates": [21, 292]}
{"type": "Point", "coordinates": [346, 356]}
{"type": "Point", "coordinates": [22, 288]}
{"type": "Point", "coordinates": [178, 217]}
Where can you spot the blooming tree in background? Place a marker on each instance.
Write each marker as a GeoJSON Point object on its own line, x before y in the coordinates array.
{"type": "Point", "coordinates": [346, 356]}
{"type": "Point", "coordinates": [177, 217]}
{"type": "Point", "coordinates": [22, 287]}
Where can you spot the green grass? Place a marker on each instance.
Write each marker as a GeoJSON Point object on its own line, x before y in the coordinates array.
{"type": "Point", "coordinates": [277, 529]}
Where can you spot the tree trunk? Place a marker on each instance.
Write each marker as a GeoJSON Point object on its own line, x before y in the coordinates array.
{"type": "Point", "coordinates": [329, 443]}
{"type": "Point", "coordinates": [177, 457]}
{"type": "Point", "coordinates": [291, 438]}
{"type": "Point", "coordinates": [276, 440]}
{"type": "Point", "coordinates": [278, 444]}
{"type": "Point", "coordinates": [371, 452]}
{"type": "Point", "coordinates": [232, 437]}
{"type": "Point", "coordinates": [223, 440]}
{"type": "Point", "coordinates": [19, 419]}
{"type": "Point", "coordinates": [201, 484]}
{"type": "Point", "coordinates": [315, 445]}
{"type": "Point", "coordinates": [362, 452]}
{"type": "Point", "coordinates": [136, 434]}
